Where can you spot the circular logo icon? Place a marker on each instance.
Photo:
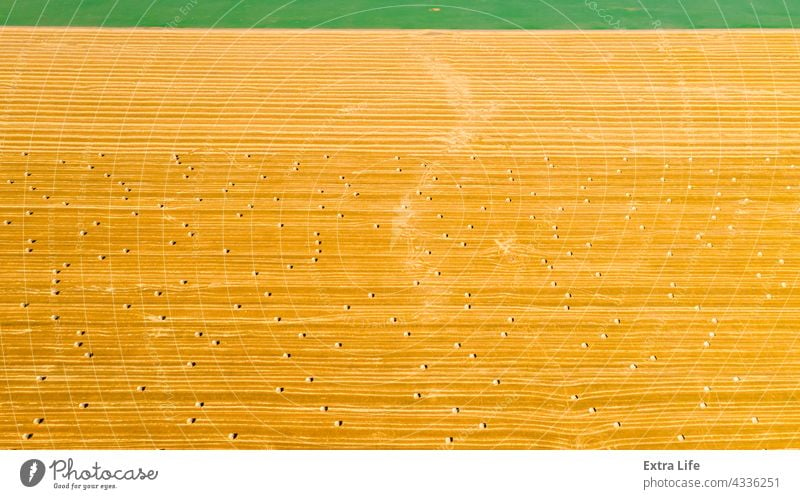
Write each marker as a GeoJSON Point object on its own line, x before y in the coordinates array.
{"type": "Point", "coordinates": [31, 472]}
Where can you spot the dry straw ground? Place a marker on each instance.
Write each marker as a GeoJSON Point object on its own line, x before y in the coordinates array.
{"type": "Point", "coordinates": [397, 239]}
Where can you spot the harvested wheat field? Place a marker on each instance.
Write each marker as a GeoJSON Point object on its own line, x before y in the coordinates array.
{"type": "Point", "coordinates": [399, 239]}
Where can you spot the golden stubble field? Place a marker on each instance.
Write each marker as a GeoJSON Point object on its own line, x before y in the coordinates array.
{"type": "Point", "coordinates": [399, 239]}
